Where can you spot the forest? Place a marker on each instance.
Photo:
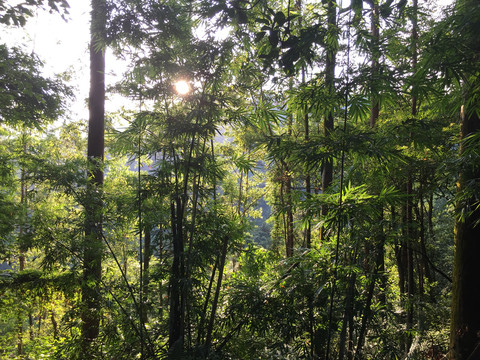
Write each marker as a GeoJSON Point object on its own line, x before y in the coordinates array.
{"type": "Point", "coordinates": [282, 180]}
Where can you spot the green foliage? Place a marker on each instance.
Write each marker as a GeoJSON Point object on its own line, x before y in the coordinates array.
{"type": "Point", "coordinates": [26, 97]}
{"type": "Point", "coordinates": [17, 14]}
{"type": "Point", "coordinates": [202, 191]}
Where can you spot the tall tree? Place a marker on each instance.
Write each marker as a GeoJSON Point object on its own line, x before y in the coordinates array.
{"type": "Point", "coordinates": [93, 243]}
{"type": "Point", "coordinates": [465, 322]}
{"type": "Point", "coordinates": [375, 33]}
{"type": "Point", "coordinates": [330, 64]}
{"type": "Point", "coordinates": [465, 315]}
{"type": "Point", "coordinates": [410, 241]}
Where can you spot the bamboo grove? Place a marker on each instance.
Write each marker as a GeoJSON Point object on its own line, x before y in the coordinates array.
{"type": "Point", "coordinates": [314, 193]}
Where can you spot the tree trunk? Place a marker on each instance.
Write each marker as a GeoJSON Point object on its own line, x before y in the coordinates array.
{"type": "Point", "coordinates": [147, 255]}
{"type": "Point", "coordinates": [410, 279]}
{"type": "Point", "coordinates": [306, 123]}
{"type": "Point", "coordinates": [23, 203]}
{"type": "Point", "coordinates": [54, 325]}
{"type": "Point", "coordinates": [177, 314]}
{"type": "Point", "coordinates": [207, 300]}
{"type": "Point", "coordinates": [425, 265]}
{"type": "Point", "coordinates": [465, 315]}
{"type": "Point", "coordinates": [287, 178]}
{"type": "Point", "coordinates": [286, 211]}
{"type": "Point", "coordinates": [160, 261]}
{"type": "Point", "coordinates": [93, 245]}
{"type": "Point", "coordinates": [328, 125]}
{"type": "Point", "coordinates": [365, 319]}
{"type": "Point", "coordinates": [367, 313]}
{"type": "Point", "coordinates": [347, 316]}
{"type": "Point", "coordinates": [289, 200]}
{"type": "Point", "coordinates": [240, 186]}
{"type": "Point", "coordinates": [223, 256]}
{"type": "Point", "coordinates": [409, 206]}
{"type": "Point", "coordinates": [308, 186]}
{"type": "Point", "coordinates": [375, 32]}
{"type": "Point", "coordinates": [414, 52]}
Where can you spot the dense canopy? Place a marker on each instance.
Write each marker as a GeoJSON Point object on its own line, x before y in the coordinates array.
{"type": "Point", "coordinates": [280, 180]}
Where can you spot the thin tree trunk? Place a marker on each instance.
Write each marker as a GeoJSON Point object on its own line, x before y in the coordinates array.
{"type": "Point", "coordinates": [381, 261]}
{"type": "Point", "coordinates": [399, 255]}
{"type": "Point", "coordinates": [244, 210]}
{"type": "Point", "coordinates": [147, 255]}
{"type": "Point", "coordinates": [93, 245]}
{"type": "Point", "coordinates": [410, 265]}
{"type": "Point", "coordinates": [20, 336]}
{"type": "Point", "coordinates": [347, 315]}
{"type": "Point", "coordinates": [286, 211]}
{"type": "Point", "coordinates": [125, 259]}
{"type": "Point", "coordinates": [208, 340]}
{"type": "Point", "coordinates": [177, 318]}
{"type": "Point", "coordinates": [308, 230]}
{"type": "Point", "coordinates": [160, 260]}
{"type": "Point", "coordinates": [306, 124]}
{"type": "Point", "coordinates": [54, 325]}
{"type": "Point", "coordinates": [351, 340]}
{"type": "Point", "coordinates": [328, 125]}
{"type": "Point", "coordinates": [205, 304]}
{"type": "Point", "coordinates": [30, 325]}
{"type": "Point", "coordinates": [308, 186]}
{"type": "Point", "coordinates": [41, 317]}
{"type": "Point", "coordinates": [375, 32]}
{"type": "Point", "coordinates": [414, 52]}
{"type": "Point", "coordinates": [212, 276]}
{"type": "Point", "coordinates": [328, 128]}
{"type": "Point", "coordinates": [431, 234]}
{"type": "Point", "coordinates": [409, 214]}
{"type": "Point", "coordinates": [196, 180]}
{"type": "Point", "coordinates": [289, 200]}
{"type": "Point", "coordinates": [379, 265]}
{"type": "Point", "coordinates": [425, 265]}
{"type": "Point", "coordinates": [365, 319]}
{"type": "Point", "coordinates": [240, 185]}
{"type": "Point", "coordinates": [430, 217]}
{"type": "Point", "coordinates": [346, 346]}
{"type": "Point", "coordinates": [287, 178]}
{"type": "Point", "coordinates": [367, 313]}
{"type": "Point", "coordinates": [23, 203]}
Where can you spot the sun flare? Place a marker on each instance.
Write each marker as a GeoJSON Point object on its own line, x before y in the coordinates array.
{"type": "Point", "coordinates": [182, 87]}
